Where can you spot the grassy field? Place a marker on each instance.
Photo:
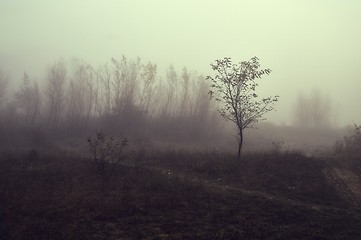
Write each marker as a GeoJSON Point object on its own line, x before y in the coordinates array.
{"type": "Point", "coordinates": [180, 194]}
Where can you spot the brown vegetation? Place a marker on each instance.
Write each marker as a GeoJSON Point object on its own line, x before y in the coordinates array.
{"type": "Point", "coordinates": [178, 195]}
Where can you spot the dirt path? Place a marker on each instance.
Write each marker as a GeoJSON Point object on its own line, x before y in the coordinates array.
{"type": "Point", "coordinates": [217, 187]}
{"type": "Point", "coordinates": [347, 182]}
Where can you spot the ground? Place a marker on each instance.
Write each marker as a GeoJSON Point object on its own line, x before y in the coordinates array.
{"type": "Point", "coordinates": [180, 194]}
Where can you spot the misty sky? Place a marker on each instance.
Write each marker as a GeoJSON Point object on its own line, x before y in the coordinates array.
{"type": "Point", "coordinates": [308, 44]}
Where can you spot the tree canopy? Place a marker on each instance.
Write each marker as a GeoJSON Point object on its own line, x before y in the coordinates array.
{"type": "Point", "coordinates": [234, 85]}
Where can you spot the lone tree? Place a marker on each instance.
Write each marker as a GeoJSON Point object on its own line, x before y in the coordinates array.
{"type": "Point", "coordinates": [234, 85]}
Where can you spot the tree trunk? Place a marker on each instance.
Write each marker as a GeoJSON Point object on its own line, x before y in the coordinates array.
{"type": "Point", "coordinates": [240, 143]}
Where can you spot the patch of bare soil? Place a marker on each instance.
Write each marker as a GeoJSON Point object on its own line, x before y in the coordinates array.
{"type": "Point", "coordinates": [218, 186]}
{"type": "Point", "coordinates": [347, 181]}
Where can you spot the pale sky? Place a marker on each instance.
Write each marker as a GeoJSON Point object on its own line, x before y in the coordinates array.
{"type": "Point", "coordinates": [308, 44]}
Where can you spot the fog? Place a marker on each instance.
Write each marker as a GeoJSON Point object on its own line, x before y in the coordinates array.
{"type": "Point", "coordinates": [170, 119]}
{"type": "Point", "coordinates": [308, 45]}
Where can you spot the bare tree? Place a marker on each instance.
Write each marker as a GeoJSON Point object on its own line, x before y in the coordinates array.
{"type": "Point", "coordinates": [186, 76]}
{"type": "Point", "coordinates": [235, 86]}
{"type": "Point", "coordinates": [125, 84]}
{"type": "Point", "coordinates": [104, 76]}
{"type": "Point", "coordinates": [3, 87]}
{"type": "Point", "coordinates": [119, 83]}
{"type": "Point", "coordinates": [55, 93]}
{"type": "Point", "coordinates": [81, 95]}
{"type": "Point", "coordinates": [126, 79]}
{"type": "Point", "coordinates": [201, 107]}
{"type": "Point", "coordinates": [28, 98]}
{"type": "Point", "coordinates": [148, 76]}
{"type": "Point", "coordinates": [170, 91]}
{"type": "Point", "coordinates": [131, 84]}
{"type": "Point", "coordinates": [76, 103]}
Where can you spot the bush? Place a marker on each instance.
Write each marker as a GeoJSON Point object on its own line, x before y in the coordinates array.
{"type": "Point", "coordinates": [349, 143]}
{"type": "Point", "coordinates": [107, 153]}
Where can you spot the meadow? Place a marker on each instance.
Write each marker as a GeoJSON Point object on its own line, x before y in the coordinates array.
{"type": "Point", "coordinates": [180, 194]}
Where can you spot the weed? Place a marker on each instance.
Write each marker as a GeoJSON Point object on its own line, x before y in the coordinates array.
{"type": "Point", "coordinates": [179, 195]}
{"type": "Point", "coordinates": [350, 143]}
{"type": "Point", "coordinates": [277, 147]}
{"type": "Point", "coordinates": [107, 152]}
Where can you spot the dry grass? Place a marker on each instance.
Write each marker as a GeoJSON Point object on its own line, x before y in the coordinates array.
{"type": "Point", "coordinates": [175, 195]}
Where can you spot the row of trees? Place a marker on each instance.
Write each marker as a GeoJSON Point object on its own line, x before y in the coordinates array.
{"type": "Point", "coordinates": [123, 96]}
{"type": "Point", "coordinates": [127, 97]}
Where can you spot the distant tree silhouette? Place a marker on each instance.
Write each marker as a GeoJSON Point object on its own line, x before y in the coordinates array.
{"type": "Point", "coordinates": [234, 85]}
{"type": "Point", "coordinates": [148, 77]}
{"type": "Point", "coordinates": [125, 97]}
{"type": "Point", "coordinates": [3, 88]}
{"type": "Point", "coordinates": [170, 101]}
{"type": "Point", "coordinates": [104, 79]}
{"type": "Point", "coordinates": [81, 95]}
{"type": "Point", "coordinates": [55, 93]}
{"type": "Point", "coordinates": [185, 98]}
{"type": "Point", "coordinates": [313, 111]}
{"type": "Point", "coordinates": [28, 98]}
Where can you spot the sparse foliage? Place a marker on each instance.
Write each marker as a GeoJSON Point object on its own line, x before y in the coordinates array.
{"type": "Point", "coordinates": [107, 152]}
{"type": "Point", "coordinates": [234, 85]}
{"type": "Point", "coordinates": [350, 143]}
{"type": "Point", "coordinates": [277, 147]}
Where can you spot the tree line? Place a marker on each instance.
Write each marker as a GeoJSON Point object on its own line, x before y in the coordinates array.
{"type": "Point", "coordinates": [123, 96]}
{"type": "Point", "coordinates": [130, 98]}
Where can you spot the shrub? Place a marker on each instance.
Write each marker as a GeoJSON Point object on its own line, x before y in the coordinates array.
{"type": "Point", "coordinates": [277, 147]}
{"type": "Point", "coordinates": [349, 143]}
{"type": "Point", "coordinates": [107, 153]}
